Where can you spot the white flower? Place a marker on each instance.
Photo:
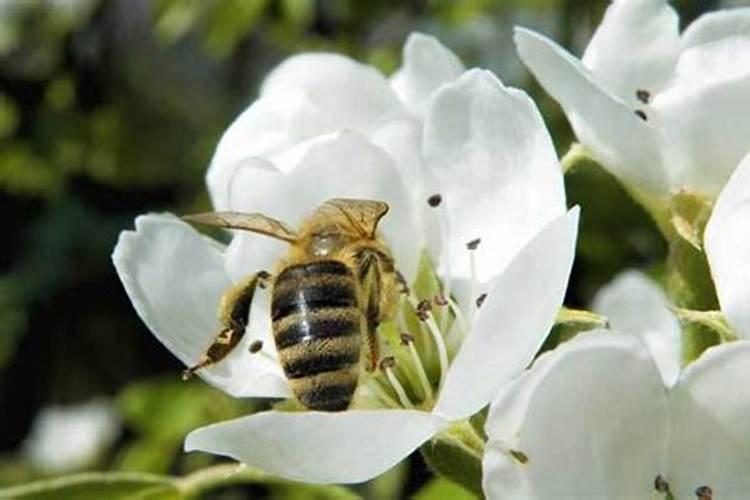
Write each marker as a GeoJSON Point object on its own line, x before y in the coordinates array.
{"type": "Point", "coordinates": [595, 418]}
{"type": "Point", "coordinates": [662, 111]}
{"type": "Point", "coordinates": [325, 126]}
{"type": "Point", "coordinates": [68, 438]}
{"type": "Point", "coordinates": [592, 419]}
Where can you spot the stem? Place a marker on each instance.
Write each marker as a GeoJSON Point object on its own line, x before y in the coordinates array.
{"type": "Point", "coordinates": [218, 475]}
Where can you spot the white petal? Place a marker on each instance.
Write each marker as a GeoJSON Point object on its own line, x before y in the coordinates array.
{"type": "Point", "coordinates": [343, 165]}
{"type": "Point", "coordinates": [622, 142]}
{"type": "Point", "coordinates": [710, 424]}
{"type": "Point", "coordinates": [727, 242]}
{"type": "Point", "coordinates": [175, 277]}
{"type": "Point", "coordinates": [590, 416]}
{"type": "Point", "coordinates": [498, 173]}
{"type": "Point", "coordinates": [717, 25]}
{"type": "Point", "coordinates": [316, 447]}
{"type": "Point", "coordinates": [634, 48]}
{"type": "Point", "coordinates": [66, 438]}
{"type": "Point", "coordinates": [427, 65]}
{"type": "Point", "coordinates": [274, 122]}
{"type": "Point", "coordinates": [636, 306]}
{"type": "Point", "coordinates": [352, 95]}
{"type": "Point", "coordinates": [513, 321]}
{"type": "Point", "coordinates": [705, 113]}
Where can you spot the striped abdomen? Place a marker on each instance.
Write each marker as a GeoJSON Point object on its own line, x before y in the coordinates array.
{"type": "Point", "coordinates": [317, 328]}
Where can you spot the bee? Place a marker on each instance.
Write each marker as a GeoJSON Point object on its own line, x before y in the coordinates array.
{"type": "Point", "coordinates": [336, 284]}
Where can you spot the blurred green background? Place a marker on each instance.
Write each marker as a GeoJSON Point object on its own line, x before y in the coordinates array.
{"type": "Point", "coordinates": [109, 109]}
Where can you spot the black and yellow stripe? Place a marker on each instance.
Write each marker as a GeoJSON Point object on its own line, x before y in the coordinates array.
{"type": "Point", "coordinates": [317, 327]}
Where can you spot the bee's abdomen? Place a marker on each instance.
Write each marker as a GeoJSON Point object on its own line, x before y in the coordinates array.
{"type": "Point", "coordinates": [316, 326]}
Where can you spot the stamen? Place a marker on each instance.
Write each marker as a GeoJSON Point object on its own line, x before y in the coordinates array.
{"type": "Point", "coordinates": [519, 456]}
{"type": "Point", "coordinates": [434, 200]}
{"type": "Point", "coordinates": [387, 364]}
{"type": "Point", "coordinates": [472, 245]}
{"type": "Point", "coordinates": [704, 493]}
{"type": "Point", "coordinates": [429, 320]}
{"type": "Point", "coordinates": [459, 316]}
{"type": "Point", "coordinates": [641, 114]}
{"type": "Point", "coordinates": [643, 95]}
{"type": "Point", "coordinates": [384, 396]}
{"type": "Point", "coordinates": [481, 299]}
{"type": "Point", "coordinates": [661, 485]}
{"type": "Point", "coordinates": [408, 341]}
{"type": "Point", "coordinates": [255, 346]}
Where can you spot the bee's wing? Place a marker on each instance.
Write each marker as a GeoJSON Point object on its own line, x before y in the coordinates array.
{"type": "Point", "coordinates": [257, 223]}
{"type": "Point", "coordinates": [362, 214]}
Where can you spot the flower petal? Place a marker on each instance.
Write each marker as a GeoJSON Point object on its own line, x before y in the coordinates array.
{"type": "Point", "coordinates": [717, 25]}
{"type": "Point", "coordinates": [622, 142]}
{"type": "Point", "coordinates": [514, 320]}
{"type": "Point", "coordinates": [590, 417]}
{"type": "Point", "coordinates": [636, 306]}
{"type": "Point", "coordinates": [179, 307]}
{"type": "Point", "coordinates": [705, 110]}
{"type": "Point", "coordinates": [353, 95]}
{"type": "Point", "coordinates": [273, 123]}
{"type": "Point", "coordinates": [317, 447]}
{"type": "Point", "coordinates": [727, 243]}
{"type": "Point", "coordinates": [634, 48]}
{"type": "Point", "coordinates": [710, 428]}
{"type": "Point", "coordinates": [427, 65]}
{"type": "Point", "coordinates": [342, 165]}
{"type": "Point", "coordinates": [488, 148]}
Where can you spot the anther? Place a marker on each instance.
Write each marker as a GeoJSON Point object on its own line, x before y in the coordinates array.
{"type": "Point", "coordinates": [641, 114]}
{"type": "Point", "coordinates": [434, 200]}
{"type": "Point", "coordinates": [704, 493]}
{"type": "Point", "coordinates": [661, 485]}
{"type": "Point", "coordinates": [406, 339]}
{"type": "Point", "coordinates": [643, 95]}
{"type": "Point", "coordinates": [519, 456]}
{"type": "Point", "coordinates": [387, 362]}
{"type": "Point", "coordinates": [255, 346]}
{"type": "Point", "coordinates": [473, 244]}
{"type": "Point", "coordinates": [263, 277]}
{"type": "Point", "coordinates": [423, 309]}
{"type": "Point", "coordinates": [440, 300]}
{"type": "Point", "coordinates": [481, 299]}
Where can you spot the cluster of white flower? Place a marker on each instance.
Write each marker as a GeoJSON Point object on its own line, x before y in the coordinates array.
{"type": "Point", "coordinates": [470, 173]}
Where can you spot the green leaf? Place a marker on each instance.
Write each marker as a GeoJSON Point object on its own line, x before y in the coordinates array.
{"type": "Point", "coordinates": [96, 486]}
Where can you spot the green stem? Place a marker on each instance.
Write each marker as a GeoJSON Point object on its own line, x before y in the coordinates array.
{"type": "Point", "coordinates": [218, 475]}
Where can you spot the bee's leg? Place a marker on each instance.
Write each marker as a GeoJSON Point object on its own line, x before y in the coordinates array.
{"type": "Point", "coordinates": [234, 310]}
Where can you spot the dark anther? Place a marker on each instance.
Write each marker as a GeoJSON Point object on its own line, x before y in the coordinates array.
{"type": "Point", "coordinates": [404, 288]}
{"type": "Point", "coordinates": [519, 456]}
{"type": "Point", "coordinates": [704, 493]}
{"type": "Point", "coordinates": [641, 114]}
{"type": "Point", "coordinates": [481, 299]}
{"type": "Point", "coordinates": [406, 339]}
{"type": "Point", "coordinates": [434, 200]}
{"type": "Point", "coordinates": [661, 485]}
{"type": "Point", "coordinates": [423, 309]}
{"type": "Point", "coordinates": [440, 299]}
{"type": "Point", "coordinates": [473, 244]}
{"type": "Point", "coordinates": [263, 277]}
{"type": "Point", "coordinates": [387, 362]}
{"type": "Point", "coordinates": [643, 95]}
{"type": "Point", "coordinates": [255, 346]}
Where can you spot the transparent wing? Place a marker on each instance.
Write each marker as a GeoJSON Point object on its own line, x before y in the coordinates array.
{"type": "Point", "coordinates": [257, 223]}
{"type": "Point", "coordinates": [362, 214]}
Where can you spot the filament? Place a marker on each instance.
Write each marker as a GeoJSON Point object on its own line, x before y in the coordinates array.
{"type": "Point", "coordinates": [400, 392]}
{"type": "Point", "coordinates": [429, 320]}
{"type": "Point", "coordinates": [426, 387]}
{"type": "Point", "coordinates": [384, 397]}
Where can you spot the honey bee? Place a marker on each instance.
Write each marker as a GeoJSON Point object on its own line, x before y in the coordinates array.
{"type": "Point", "coordinates": [337, 283]}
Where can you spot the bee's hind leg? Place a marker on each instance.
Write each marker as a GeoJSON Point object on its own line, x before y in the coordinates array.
{"type": "Point", "coordinates": [234, 311]}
